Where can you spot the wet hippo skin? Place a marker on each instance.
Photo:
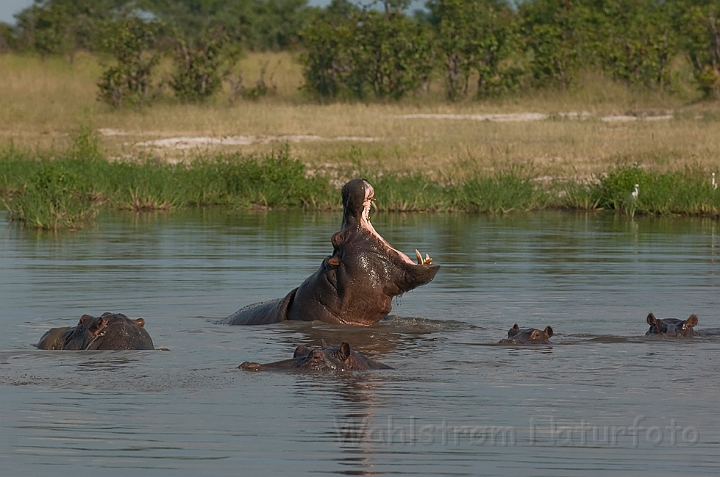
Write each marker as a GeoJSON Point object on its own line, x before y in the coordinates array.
{"type": "Point", "coordinates": [110, 331]}
{"type": "Point", "coordinates": [325, 358]}
{"type": "Point", "coordinates": [355, 285]}
{"type": "Point", "coordinates": [671, 326]}
{"type": "Point", "coordinates": [517, 335]}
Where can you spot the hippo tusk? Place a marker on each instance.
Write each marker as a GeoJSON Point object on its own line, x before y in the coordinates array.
{"type": "Point", "coordinates": [422, 261]}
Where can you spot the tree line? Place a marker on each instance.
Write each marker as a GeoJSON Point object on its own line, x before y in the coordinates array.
{"type": "Point", "coordinates": [62, 26]}
{"type": "Point", "coordinates": [378, 50]}
{"type": "Point", "coordinates": [502, 47]}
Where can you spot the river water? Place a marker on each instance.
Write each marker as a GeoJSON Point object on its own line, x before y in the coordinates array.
{"type": "Point", "coordinates": [600, 399]}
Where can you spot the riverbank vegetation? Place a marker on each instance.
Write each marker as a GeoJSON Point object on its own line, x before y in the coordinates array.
{"type": "Point", "coordinates": [66, 189]}
{"type": "Point", "coordinates": [468, 105]}
{"type": "Point", "coordinates": [43, 101]}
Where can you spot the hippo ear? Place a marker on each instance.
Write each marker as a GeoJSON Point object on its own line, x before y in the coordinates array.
{"type": "Point", "coordinates": [301, 351]}
{"type": "Point", "coordinates": [140, 322]}
{"type": "Point", "coordinates": [513, 331]}
{"type": "Point", "coordinates": [651, 319]}
{"type": "Point", "coordinates": [345, 351]}
{"type": "Point", "coordinates": [690, 322]}
{"type": "Point", "coordinates": [83, 319]}
{"type": "Point", "coordinates": [97, 326]}
{"type": "Point", "coordinates": [548, 331]}
{"type": "Point", "coordinates": [107, 313]}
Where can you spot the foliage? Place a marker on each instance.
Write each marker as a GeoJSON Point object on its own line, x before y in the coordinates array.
{"type": "Point", "coordinates": [479, 36]}
{"type": "Point", "coordinates": [394, 55]}
{"type": "Point", "coordinates": [686, 192]}
{"type": "Point", "coordinates": [329, 63]}
{"type": "Point", "coordinates": [61, 26]}
{"type": "Point", "coordinates": [373, 49]}
{"type": "Point", "coordinates": [54, 194]}
{"type": "Point", "coordinates": [47, 30]}
{"type": "Point", "coordinates": [555, 34]}
{"type": "Point", "coordinates": [367, 51]}
{"type": "Point", "coordinates": [7, 40]}
{"type": "Point", "coordinates": [68, 189]}
{"type": "Point", "coordinates": [201, 65]}
{"type": "Point", "coordinates": [702, 46]}
{"type": "Point", "coordinates": [131, 42]}
{"type": "Point", "coordinates": [257, 24]}
{"type": "Point", "coordinates": [507, 190]}
{"type": "Point", "coordinates": [635, 40]}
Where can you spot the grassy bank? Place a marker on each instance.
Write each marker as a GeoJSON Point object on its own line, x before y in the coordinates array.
{"type": "Point", "coordinates": [66, 189]}
{"type": "Point", "coordinates": [43, 101]}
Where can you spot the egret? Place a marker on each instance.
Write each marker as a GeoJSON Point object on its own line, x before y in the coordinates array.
{"type": "Point", "coordinates": [714, 185]}
{"type": "Point", "coordinates": [635, 192]}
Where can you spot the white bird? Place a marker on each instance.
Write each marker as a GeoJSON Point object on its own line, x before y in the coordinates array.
{"type": "Point", "coordinates": [714, 185]}
{"type": "Point", "coordinates": [635, 192]}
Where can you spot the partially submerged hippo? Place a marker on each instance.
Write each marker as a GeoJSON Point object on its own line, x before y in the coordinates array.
{"type": "Point", "coordinates": [355, 285]}
{"type": "Point", "coordinates": [325, 358]}
{"type": "Point", "coordinates": [517, 336]}
{"type": "Point", "coordinates": [111, 331]}
{"type": "Point", "coordinates": [671, 326]}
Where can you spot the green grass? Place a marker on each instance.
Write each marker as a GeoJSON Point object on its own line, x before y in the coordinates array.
{"type": "Point", "coordinates": [66, 189]}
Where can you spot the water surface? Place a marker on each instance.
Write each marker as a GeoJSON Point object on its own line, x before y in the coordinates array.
{"type": "Point", "coordinates": [601, 399]}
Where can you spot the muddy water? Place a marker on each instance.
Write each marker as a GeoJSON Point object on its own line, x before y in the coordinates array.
{"type": "Point", "coordinates": [601, 399]}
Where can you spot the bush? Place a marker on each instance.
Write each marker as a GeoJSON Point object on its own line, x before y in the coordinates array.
{"type": "Point", "coordinates": [480, 36]}
{"type": "Point", "coordinates": [386, 54]}
{"type": "Point", "coordinates": [702, 47]}
{"type": "Point", "coordinates": [201, 65]}
{"type": "Point", "coordinates": [131, 41]}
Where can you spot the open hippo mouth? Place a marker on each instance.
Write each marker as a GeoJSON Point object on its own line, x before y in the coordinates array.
{"type": "Point", "coordinates": [364, 223]}
{"type": "Point", "coordinates": [355, 285]}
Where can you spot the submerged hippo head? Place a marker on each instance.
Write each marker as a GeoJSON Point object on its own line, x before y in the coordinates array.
{"type": "Point", "coordinates": [671, 326]}
{"type": "Point", "coordinates": [356, 284]}
{"type": "Point", "coordinates": [110, 331]}
{"type": "Point", "coordinates": [325, 358]}
{"type": "Point", "coordinates": [516, 335]}
{"type": "Point", "coordinates": [55, 338]}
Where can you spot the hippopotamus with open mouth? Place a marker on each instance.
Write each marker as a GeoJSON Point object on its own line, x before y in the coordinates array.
{"type": "Point", "coordinates": [517, 336]}
{"type": "Point", "coordinates": [355, 285]}
{"type": "Point", "coordinates": [671, 326]}
{"type": "Point", "coordinates": [111, 331]}
{"type": "Point", "coordinates": [325, 358]}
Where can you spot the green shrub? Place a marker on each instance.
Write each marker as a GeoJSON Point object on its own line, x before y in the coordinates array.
{"type": "Point", "coordinates": [388, 55]}
{"type": "Point", "coordinates": [201, 65]}
{"type": "Point", "coordinates": [479, 36]}
{"type": "Point", "coordinates": [131, 41]}
{"type": "Point", "coordinates": [55, 197]}
{"type": "Point", "coordinates": [702, 47]}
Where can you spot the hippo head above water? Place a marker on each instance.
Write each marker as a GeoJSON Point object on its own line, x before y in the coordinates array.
{"type": "Point", "coordinates": [355, 285]}
{"type": "Point", "coordinates": [110, 331]}
{"type": "Point", "coordinates": [516, 335]}
{"type": "Point", "coordinates": [325, 358]}
{"type": "Point", "coordinates": [671, 326]}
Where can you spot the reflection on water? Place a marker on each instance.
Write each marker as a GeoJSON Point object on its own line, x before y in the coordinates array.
{"type": "Point", "coordinates": [600, 398]}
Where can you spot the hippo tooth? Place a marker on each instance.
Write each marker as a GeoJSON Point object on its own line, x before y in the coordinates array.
{"type": "Point", "coordinates": [427, 260]}
{"type": "Point", "coordinates": [419, 257]}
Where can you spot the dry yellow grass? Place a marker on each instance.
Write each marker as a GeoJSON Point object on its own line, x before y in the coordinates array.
{"type": "Point", "coordinates": [42, 102]}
